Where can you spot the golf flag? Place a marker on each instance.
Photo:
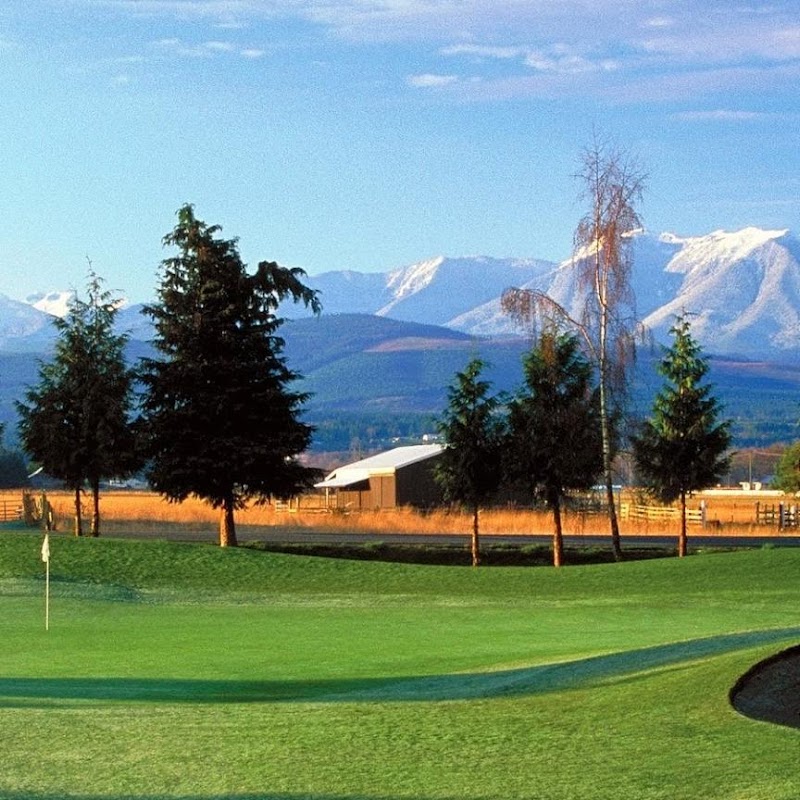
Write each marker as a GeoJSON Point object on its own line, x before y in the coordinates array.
{"type": "Point", "coordinates": [46, 548]}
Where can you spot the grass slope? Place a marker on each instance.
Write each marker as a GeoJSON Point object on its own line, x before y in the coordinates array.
{"type": "Point", "coordinates": [185, 671]}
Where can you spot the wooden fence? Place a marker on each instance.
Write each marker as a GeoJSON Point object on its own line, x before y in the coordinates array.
{"type": "Point", "coordinates": [34, 510]}
{"type": "Point", "coordinates": [694, 516]}
{"type": "Point", "coordinates": [10, 510]}
{"type": "Point", "coordinates": [779, 515]}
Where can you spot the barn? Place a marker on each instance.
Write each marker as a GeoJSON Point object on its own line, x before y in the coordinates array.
{"type": "Point", "coordinates": [399, 477]}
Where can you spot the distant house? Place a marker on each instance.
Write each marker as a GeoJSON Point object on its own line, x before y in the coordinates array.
{"type": "Point", "coordinates": [399, 477]}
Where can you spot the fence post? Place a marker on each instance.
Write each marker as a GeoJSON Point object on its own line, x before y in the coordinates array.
{"type": "Point", "coordinates": [47, 514]}
{"type": "Point", "coordinates": [28, 509]}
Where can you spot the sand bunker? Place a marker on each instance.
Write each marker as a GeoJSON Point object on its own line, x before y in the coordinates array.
{"type": "Point", "coordinates": [770, 691]}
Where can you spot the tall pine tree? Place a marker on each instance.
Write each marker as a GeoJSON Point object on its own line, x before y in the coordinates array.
{"type": "Point", "coordinates": [682, 447]}
{"type": "Point", "coordinates": [76, 421]}
{"type": "Point", "coordinates": [221, 421]}
{"type": "Point", "coordinates": [554, 439]}
{"type": "Point", "coordinates": [468, 470]}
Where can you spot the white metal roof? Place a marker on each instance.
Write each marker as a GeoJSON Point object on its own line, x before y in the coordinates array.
{"type": "Point", "coordinates": [381, 464]}
{"type": "Point", "coordinates": [342, 478]}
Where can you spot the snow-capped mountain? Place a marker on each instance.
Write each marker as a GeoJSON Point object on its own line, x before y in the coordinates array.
{"type": "Point", "coordinates": [23, 327]}
{"type": "Point", "coordinates": [435, 292]}
{"type": "Point", "coordinates": [55, 303]}
{"type": "Point", "coordinates": [28, 325]}
{"type": "Point", "coordinates": [742, 290]}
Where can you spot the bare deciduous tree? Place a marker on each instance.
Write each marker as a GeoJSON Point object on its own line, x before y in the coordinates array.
{"type": "Point", "coordinates": [612, 185]}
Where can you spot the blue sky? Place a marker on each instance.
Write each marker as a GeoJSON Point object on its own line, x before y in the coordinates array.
{"type": "Point", "coordinates": [370, 134]}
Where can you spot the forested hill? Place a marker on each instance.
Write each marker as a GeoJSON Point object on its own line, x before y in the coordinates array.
{"type": "Point", "coordinates": [369, 372]}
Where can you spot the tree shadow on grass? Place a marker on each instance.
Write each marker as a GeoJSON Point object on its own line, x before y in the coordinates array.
{"type": "Point", "coordinates": [581, 673]}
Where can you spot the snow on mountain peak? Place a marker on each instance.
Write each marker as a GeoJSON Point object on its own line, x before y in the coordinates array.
{"type": "Point", "coordinates": [409, 280]}
{"type": "Point", "coordinates": [742, 289]}
{"type": "Point", "coordinates": [671, 238]}
{"type": "Point", "coordinates": [726, 245]}
{"type": "Point", "coordinates": [54, 303]}
{"type": "Point", "coordinates": [442, 289]}
{"type": "Point", "coordinates": [736, 244]}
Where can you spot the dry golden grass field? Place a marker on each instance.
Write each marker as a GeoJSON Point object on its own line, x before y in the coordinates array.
{"type": "Point", "coordinates": [144, 512]}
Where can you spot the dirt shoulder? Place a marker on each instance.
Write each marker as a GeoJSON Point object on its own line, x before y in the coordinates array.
{"type": "Point", "coordinates": [770, 691]}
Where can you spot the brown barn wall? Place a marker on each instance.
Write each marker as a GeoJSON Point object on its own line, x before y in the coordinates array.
{"type": "Point", "coordinates": [382, 491]}
{"type": "Point", "coordinates": [354, 499]}
{"type": "Point", "coordinates": [416, 486]}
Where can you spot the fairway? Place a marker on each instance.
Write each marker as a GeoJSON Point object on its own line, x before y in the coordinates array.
{"type": "Point", "coordinates": [186, 671]}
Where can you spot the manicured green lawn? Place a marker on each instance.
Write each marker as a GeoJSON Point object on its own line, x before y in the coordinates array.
{"type": "Point", "coordinates": [183, 671]}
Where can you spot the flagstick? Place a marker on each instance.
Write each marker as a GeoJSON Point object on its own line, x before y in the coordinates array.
{"type": "Point", "coordinates": [46, 559]}
{"type": "Point", "coordinates": [47, 597]}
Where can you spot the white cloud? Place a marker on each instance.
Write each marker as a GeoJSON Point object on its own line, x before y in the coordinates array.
{"type": "Point", "coordinates": [218, 47]}
{"type": "Point", "coordinates": [630, 51]}
{"type": "Point", "coordinates": [430, 81]}
{"type": "Point", "coordinates": [230, 25]}
{"type": "Point", "coordinates": [561, 58]}
{"type": "Point", "coordinates": [723, 115]}
{"type": "Point", "coordinates": [558, 57]}
{"type": "Point", "coordinates": [659, 22]}
{"type": "Point", "coordinates": [484, 51]}
{"type": "Point", "coordinates": [178, 47]}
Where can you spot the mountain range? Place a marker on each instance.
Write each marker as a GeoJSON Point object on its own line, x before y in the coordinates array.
{"type": "Point", "coordinates": [390, 342]}
{"type": "Point", "coordinates": [741, 289]}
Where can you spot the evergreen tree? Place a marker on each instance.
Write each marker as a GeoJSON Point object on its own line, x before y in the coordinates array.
{"type": "Point", "coordinates": [468, 470]}
{"type": "Point", "coordinates": [682, 447]}
{"type": "Point", "coordinates": [787, 470]}
{"type": "Point", "coordinates": [554, 440]}
{"type": "Point", "coordinates": [76, 421]}
{"type": "Point", "coordinates": [49, 427]}
{"type": "Point", "coordinates": [219, 417]}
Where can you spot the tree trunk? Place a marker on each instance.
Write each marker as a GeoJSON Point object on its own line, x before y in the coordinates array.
{"type": "Point", "coordinates": [95, 530]}
{"type": "Point", "coordinates": [476, 555]}
{"type": "Point", "coordinates": [558, 538]}
{"type": "Point", "coordinates": [227, 525]}
{"type": "Point", "coordinates": [602, 293]}
{"type": "Point", "coordinates": [78, 517]}
{"type": "Point", "coordinates": [611, 503]}
{"type": "Point", "coordinates": [682, 539]}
